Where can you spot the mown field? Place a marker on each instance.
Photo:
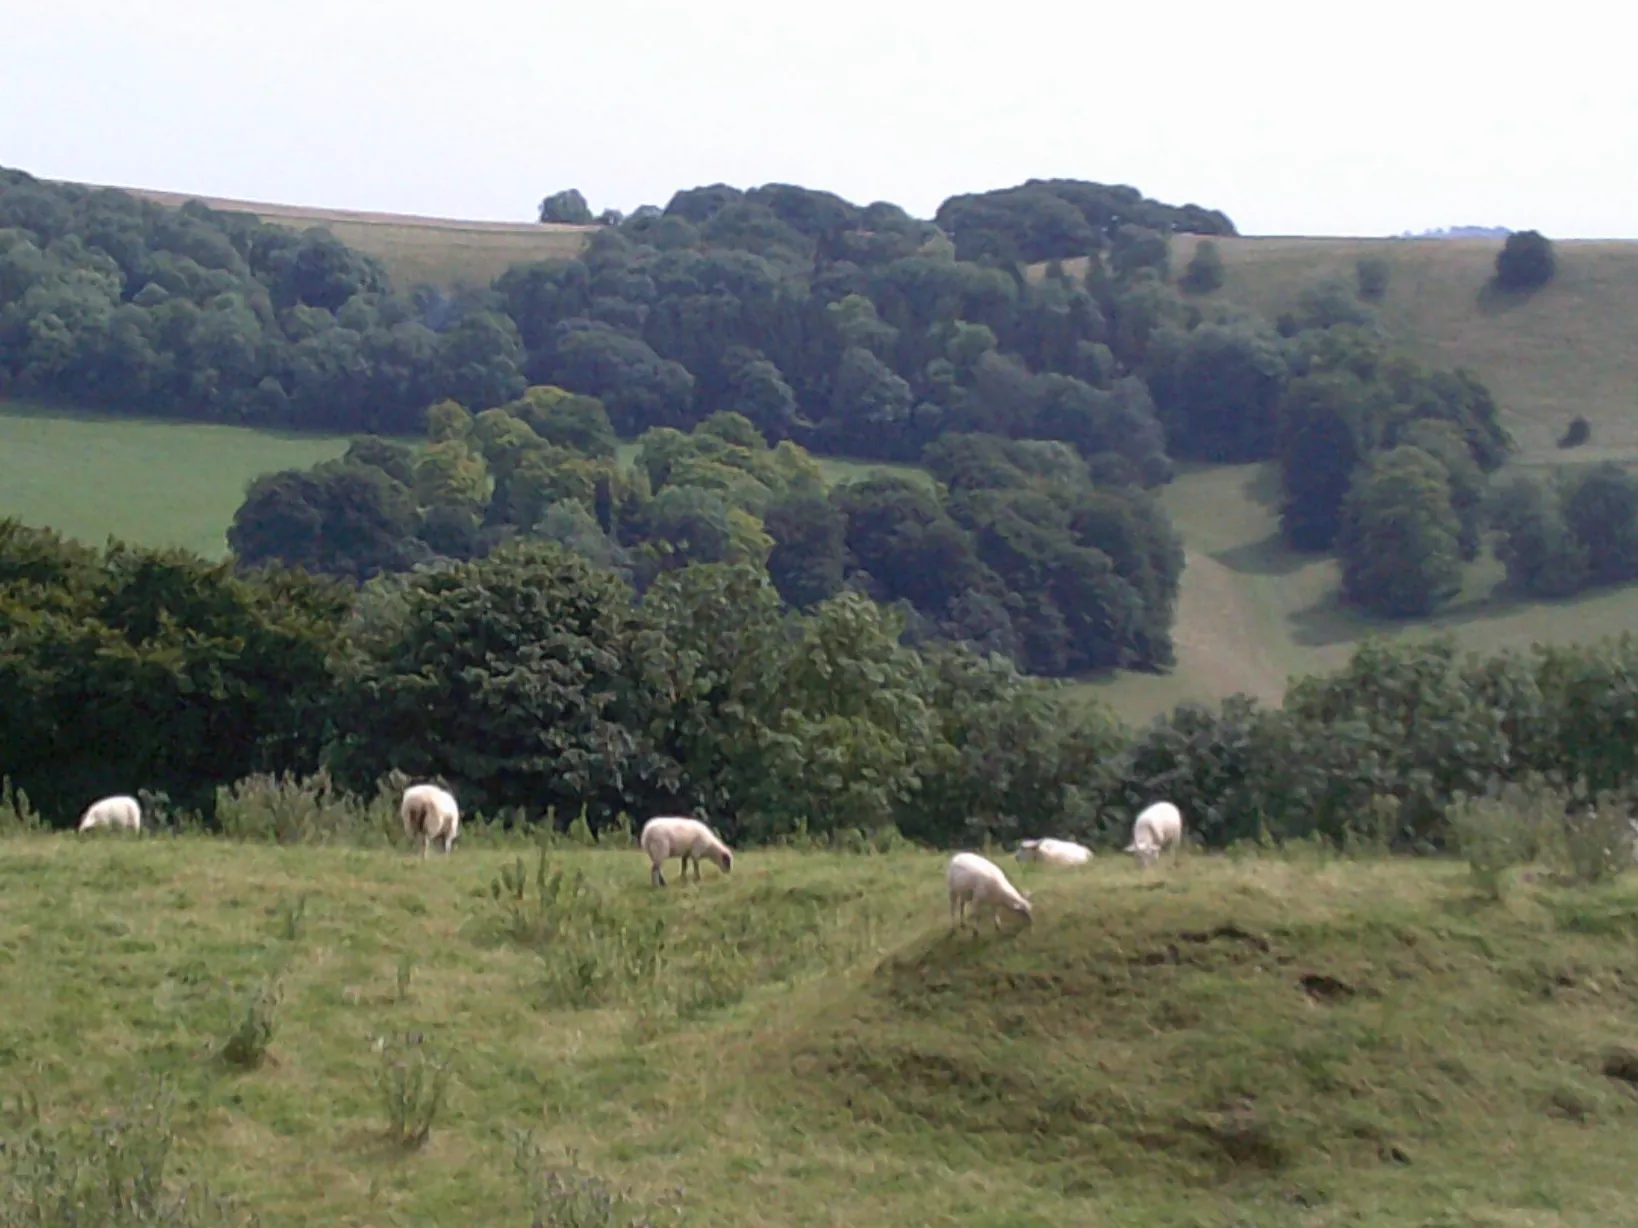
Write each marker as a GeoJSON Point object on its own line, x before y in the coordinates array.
{"type": "Point", "coordinates": [444, 252]}
{"type": "Point", "coordinates": [1270, 1040]}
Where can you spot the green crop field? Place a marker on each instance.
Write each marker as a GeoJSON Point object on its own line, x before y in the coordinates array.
{"type": "Point", "coordinates": [443, 252]}
{"type": "Point", "coordinates": [1281, 1041]}
{"type": "Point", "coordinates": [153, 483]}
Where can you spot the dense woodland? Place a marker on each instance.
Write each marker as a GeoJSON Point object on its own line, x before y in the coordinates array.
{"type": "Point", "coordinates": [737, 333]}
{"type": "Point", "coordinates": [535, 682]}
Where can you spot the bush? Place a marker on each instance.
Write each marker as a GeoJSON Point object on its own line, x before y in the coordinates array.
{"type": "Point", "coordinates": [246, 1046]}
{"type": "Point", "coordinates": [287, 809]}
{"type": "Point", "coordinates": [1205, 270]}
{"type": "Point", "coordinates": [413, 1084]}
{"type": "Point", "coordinates": [1525, 261]}
{"type": "Point", "coordinates": [1577, 433]}
{"type": "Point", "coordinates": [1510, 827]}
{"type": "Point", "coordinates": [1371, 276]}
{"type": "Point", "coordinates": [566, 1196]}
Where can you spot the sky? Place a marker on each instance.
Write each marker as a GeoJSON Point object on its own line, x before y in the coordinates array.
{"type": "Point", "coordinates": [1337, 118]}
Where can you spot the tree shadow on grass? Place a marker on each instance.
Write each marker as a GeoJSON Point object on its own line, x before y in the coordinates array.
{"type": "Point", "coordinates": [1268, 557]}
{"type": "Point", "coordinates": [1330, 621]}
{"type": "Point", "coordinates": [1494, 300]}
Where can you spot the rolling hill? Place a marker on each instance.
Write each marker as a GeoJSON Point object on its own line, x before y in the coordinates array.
{"type": "Point", "coordinates": [443, 252]}
{"type": "Point", "coordinates": [1252, 613]}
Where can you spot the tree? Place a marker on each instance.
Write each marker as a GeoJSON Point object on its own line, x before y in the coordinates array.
{"type": "Point", "coordinates": [1326, 430]}
{"type": "Point", "coordinates": [1601, 510]}
{"type": "Point", "coordinates": [567, 207]}
{"type": "Point", "coordinates": [1204, 272]}
{"type": "Point", "coordinates": [1541, 554]}
{"type": "Point", "coordinates": [1371, 275]}
{"type": "Point", "coordinates": [1525, 261]}
{"type": "Point", "coordinates": [1400, 537]}
{"type": "Point", "coordinates": [510, 675]}
{"type": "Point", "coordinates": [1225, 394]}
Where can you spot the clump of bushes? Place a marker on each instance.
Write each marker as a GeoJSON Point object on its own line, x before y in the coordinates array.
{"type": "Point", "coordinates": [1526, 261]}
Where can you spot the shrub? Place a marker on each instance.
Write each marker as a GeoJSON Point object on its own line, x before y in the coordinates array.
{"type": "Point", "coordinates": [1597, 840]}
{"type": "Point", "coordinates": [1371, 276]}
{"type": "Point", "coordinates": [1525, 261]}
{"type": "Point", "coordinates": [413, 1083]}
{"type": "Point", "coordinates": [566, 1196]}
{"type": "Point", "coordinates": [1577, 433]}
{"type": "Point", "coordinates": [1509, 827]}
{"type": "Point", "coordinates": [17, 816]}
{"type": "Point", "coordinates": [247, 1045]}
{"type": "Point", "coordinates": [287, 809]}
{"type": "Point", "coordinates": [1205, 269]}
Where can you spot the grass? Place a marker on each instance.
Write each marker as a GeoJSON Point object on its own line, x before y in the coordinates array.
{"type": "Point", "coordinates": [444, 252]}
{"type": "Point", "coordinates": [1227, 1040]}
{"type": "Point", "coordinates": [153, 483]}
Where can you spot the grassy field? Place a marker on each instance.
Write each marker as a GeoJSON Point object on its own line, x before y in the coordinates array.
{"type": "Point", "coordinates": [1566, 349]}
{"type": "Point", "coordinates": [1220, 1041]}
{"type": "Point", "coordinates": [153, 483]}
{"type": "Point", "coordinates": [443, 252]}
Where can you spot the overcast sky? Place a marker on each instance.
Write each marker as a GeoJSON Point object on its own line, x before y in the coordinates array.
{"type": "Point", "coordinates": [1293, 117]}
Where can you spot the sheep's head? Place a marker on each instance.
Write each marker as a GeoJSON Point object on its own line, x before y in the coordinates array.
{"type": "Point", "coordinates": [723, 858]}
{"type": "Point", "coordinates": [1026, 850]}
{"type": "Point", "coordinates": [1145, 853]}
{"type": "Point", "coordinates": [1023, 907]}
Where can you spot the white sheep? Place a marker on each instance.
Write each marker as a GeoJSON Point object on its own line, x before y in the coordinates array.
{"type": "Point", "coordinates": [1053, 852]}
{"type": "Point", "coordinates": [673, 836]}
{"type": "Point", "coordinates": [980, 882]}
{"type": "Point", "coordinates": [430, 814]}
{"type": "Point", "coordinates": [1160, 826]}
{"type": "Point", "coordinates": [120, 811]}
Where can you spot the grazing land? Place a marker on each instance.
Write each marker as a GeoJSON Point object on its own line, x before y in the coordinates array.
{"type": "Point", "coordinates": [1566, 349]}
{"type": "Point", "coordinates": [1280, 1040]}
{"type": "Point", "coordinates": [147, 482]}
{"type": "Point", "coordinates": [438, 251]}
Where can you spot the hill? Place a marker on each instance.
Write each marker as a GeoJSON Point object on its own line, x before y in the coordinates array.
{"type": "Point", "coordinates": [1253, 612]}
{"type": "Point", "coordinates": [1564, 350]}
{"type": "Point", "coordinates": [805, 1043]}
{"type": "Point", "coordinates": [444, 252]}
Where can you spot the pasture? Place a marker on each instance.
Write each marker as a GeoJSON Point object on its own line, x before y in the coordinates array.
{"type": "Point", "coordinates": [445, 252]}
{"type": "Point", "coordinates": [1280, 1040]}
{"type": "Point", "coordinates": [148, 482]}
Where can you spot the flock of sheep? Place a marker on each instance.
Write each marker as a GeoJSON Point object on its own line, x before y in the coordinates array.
{"type": "Point", "coordinates": [431, 815]}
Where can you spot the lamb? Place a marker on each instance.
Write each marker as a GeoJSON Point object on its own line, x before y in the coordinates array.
{"type": "Point", "coordinates": [1159, 826]}
{"type": "Point", "coordinates": [673, 836]}
{"type": "Point", "coordinates": [431, 814]}
{"type": "Point", "coordinates": [1054, 852]}
{"type": "Point", "coordinates": [979, 881]}
{"type": "Point", "coordinates": [120, 811]}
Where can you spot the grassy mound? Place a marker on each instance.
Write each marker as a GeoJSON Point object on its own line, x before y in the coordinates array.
{"type": "Point", "coordinates": [1270, 1041]}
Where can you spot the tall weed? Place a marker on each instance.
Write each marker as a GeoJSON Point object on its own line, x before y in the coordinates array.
{"type": "Point", "coordinates": [289, 809]}
{"type": "Point", "coordinates": [564, 1195]}
{"type": "Point", "coordinates": [112, 1173]}
{"type": "Point", "coordinates": [413, 1083]}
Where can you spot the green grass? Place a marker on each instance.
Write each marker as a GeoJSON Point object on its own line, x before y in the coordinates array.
{"type": "Point", "coordinates": [804, 1042]}
{"type": "Point", "coordinates": [443, 252]}
{"type": "Point", "coordinates": [153, 483]}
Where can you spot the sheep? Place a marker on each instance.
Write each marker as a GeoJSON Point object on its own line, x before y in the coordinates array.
{"type": "Point", "coordinates": [1159, 826]}
{"type": "Point", "coordinates": [979, 881]}
{"type": "Point", "coordinates": [120, 811]}
{"type": "Point", "coordinates": [1054, 852]}
{"type": "Point", "coordinates": [430, 813]}
{"type": "Point", "coordinates": [674, 836]}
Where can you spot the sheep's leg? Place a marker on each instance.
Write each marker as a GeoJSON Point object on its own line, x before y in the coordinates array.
{"type": "Point", "coordinates": [952, 909]}
{"type": "Point", "coordinates": [426, 845]}
{"type": "Point", "coordinates": [655, 877]}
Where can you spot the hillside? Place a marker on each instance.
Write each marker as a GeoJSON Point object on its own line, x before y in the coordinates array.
{"type": "Point", "coordinates": [1567, 349]}
{"type": "Point", "coordinates": [443, 252]}
{"type": "Point", "coordinates": [804, 1042]}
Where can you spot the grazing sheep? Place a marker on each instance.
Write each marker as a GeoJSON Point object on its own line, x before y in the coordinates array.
{"type": "Point", "coordinates": [430, 814]}
{"type": "Point", "coordinates": [119, 811]}
{"type": "Point", "coordinates": [1054, 852]}
{"type": "Point", "coordinates": [672, 836]}
{"type": "Point", "coordinates": [979, 881]}
{"type": "Point", "coordinates": [1160, 826]}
